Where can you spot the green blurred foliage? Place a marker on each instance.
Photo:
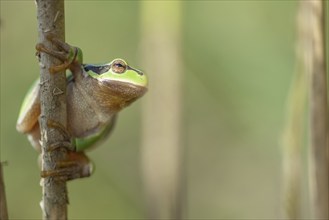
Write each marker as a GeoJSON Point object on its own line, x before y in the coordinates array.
{"type": "Point", "coordinates": [239, 58]}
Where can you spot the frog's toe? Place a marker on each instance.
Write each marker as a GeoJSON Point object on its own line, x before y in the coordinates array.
{"type": "Point", "coordinates": [63, 56]}
{"type": "Point", "coordinates": [59, 43]}
{"type": "Point", "coordinates": [59, 68]}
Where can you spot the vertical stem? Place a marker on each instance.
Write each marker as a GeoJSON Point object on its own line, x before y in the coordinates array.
{"type": "Point", "coordinates": [50, 15]}
{"type": "Point", "coordinates": [319, 164]}
{"type": "Point", "coordinates": [162, 147]}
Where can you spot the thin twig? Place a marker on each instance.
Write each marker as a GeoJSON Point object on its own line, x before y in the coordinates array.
{"type": "Point", "coordinates": [3, 201]}
{"type": "Point", "coordinates": [50, 15]}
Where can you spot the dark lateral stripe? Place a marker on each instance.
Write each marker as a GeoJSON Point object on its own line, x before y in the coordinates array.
{"type": "Point", "coordinates": [97, 69]}
{"type": "Point", "coordinates": [136, 70]}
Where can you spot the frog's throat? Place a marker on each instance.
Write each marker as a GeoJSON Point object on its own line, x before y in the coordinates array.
{"type": "Point", "coordinates": [117, 95]}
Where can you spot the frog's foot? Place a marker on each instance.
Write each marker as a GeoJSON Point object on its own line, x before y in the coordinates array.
{"type": "Point", "coordinates": [66, 53]}
{"type": "Point", "coordinates": [77, 165]}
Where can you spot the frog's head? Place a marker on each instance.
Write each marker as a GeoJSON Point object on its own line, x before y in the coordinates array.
{"type": "Point", "coordinates": [118, 81]}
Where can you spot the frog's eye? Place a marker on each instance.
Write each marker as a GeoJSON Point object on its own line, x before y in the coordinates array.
{"type": "Point", "coordinates": [118, 66]}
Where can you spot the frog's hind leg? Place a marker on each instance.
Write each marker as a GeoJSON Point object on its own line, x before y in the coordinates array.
{"type": "Point", "coordinates": [35, 138]}
{"type": "Point", "coordinates": [76, 165]}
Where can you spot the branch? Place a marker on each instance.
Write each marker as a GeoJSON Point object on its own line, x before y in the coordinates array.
{"type": "Point", "coordinates": [3, 201]}
{"type": "Point", "coordinates": [50, 15]}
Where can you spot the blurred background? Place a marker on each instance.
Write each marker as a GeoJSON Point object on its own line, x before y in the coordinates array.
{"type": "Point", "coordinates": [237, 59]}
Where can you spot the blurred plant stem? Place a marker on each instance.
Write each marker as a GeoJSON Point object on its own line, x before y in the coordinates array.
{"type": "Point", "coordinates": [293, 137]}
{"type": "Point", "coordinates": [315, 65]}
{"type": "Point", "coordinates": [3, 200]}
{"type": "Point", "coordinates": [50, 15]}
{"type": "Point", "coordinates": [294, 131]}
{"type": "Point", "coordinates": [311, 65]}
{"type": "Point", "coordinates": [162, 149]}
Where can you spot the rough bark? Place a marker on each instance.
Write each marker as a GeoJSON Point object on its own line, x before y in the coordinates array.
{"type": "Point", "coordinates": [50, 15]}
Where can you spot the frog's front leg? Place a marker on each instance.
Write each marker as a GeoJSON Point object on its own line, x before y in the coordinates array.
{"type": "Point", "coordinates": [66, 53]}
{"type": "Point", "coordinates": [77, 165]}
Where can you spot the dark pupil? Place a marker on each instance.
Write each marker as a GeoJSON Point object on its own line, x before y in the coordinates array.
{"type": "Point", "coordinates": [119, 65]}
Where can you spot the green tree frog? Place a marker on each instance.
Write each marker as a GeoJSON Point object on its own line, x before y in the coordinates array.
{"type": "Point", "coordinates": [95, 94]}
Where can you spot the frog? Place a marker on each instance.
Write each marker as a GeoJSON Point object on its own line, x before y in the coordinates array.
{"type": "Point", "coordinates": [96, 93]}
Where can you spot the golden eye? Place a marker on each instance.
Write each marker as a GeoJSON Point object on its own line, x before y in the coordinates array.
{"type": "Point", "coordinates": [118, 66]}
